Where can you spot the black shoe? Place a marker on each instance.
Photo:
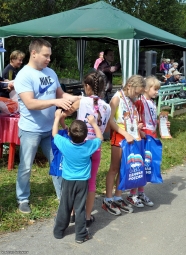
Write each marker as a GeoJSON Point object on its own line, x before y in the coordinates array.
{"type": "Point", "coordinates": [57, 234]}
{"type": "Point", "coordinates": [24, 207]}
{"type": "Point", "coordinates": [89, 222]}
{"type": "Point", "coordinates": [72, 218]}
{"type": "Point", "coordinates": [88, 237]}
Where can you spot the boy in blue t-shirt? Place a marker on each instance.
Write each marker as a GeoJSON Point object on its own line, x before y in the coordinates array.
{"type": "Point", "coordinates": [75, 174]}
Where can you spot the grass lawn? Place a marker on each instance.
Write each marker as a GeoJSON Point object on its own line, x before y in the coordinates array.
{"type": "Point", "coordinates": [43, 203]}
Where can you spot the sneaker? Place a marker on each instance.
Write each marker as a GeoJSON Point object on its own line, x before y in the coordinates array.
{"type": "Point", "coordinates": [123, 206]}
{"type": "Point", "coordinates": [145, 200]}
{"type": "Point", "coordinates": [72, 218]}
{"type": "Point", "coordinates": [134, 200]}
{"type": "Point", "coordinates": [111, 207]}
{"type": "Point", "coordinates": [24, 207]}
{"type": "Point", "coordinates": [89, 222]}
{"type": "Point", "coordinates": [88, 237]}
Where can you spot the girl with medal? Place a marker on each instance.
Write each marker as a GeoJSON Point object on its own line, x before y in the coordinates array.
{"type": "Point", "coordinates": [147, 108]}
{"type": "Point", "coordinates": [92, 104]}
{"type": "Point", "coordinates": [124, 125]}
{"type": "Point", "coordinates": [148, 121]}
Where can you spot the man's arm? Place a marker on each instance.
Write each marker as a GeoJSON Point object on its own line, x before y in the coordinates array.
{"type": "Point", "coordinates": [104, 67]}
{"type": "Point", "coordinates": [37, 104]}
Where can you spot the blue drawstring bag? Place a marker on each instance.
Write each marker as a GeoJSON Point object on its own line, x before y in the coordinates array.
{"type": "Point", "coordinates": [132, 170]}
{"type": "Point", "coordinates": [153, 159]}
{"type": "Point", "coordinates": [56, 164]}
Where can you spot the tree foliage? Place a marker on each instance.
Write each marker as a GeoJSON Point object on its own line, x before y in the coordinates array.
{"type": "Point", "coordinates": [169, 15]}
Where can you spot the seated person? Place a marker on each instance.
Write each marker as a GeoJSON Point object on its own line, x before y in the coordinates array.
{"type": "Point", "coordinates": [162, 66]}
{"type": "Point", "coordinates": [173, 68]}
{"type": "Point", "coordinates": [175, 78]}
{"type": "Point", "coordinates": [106, 67]}
{"type": "Point", "coordinates": [16, 60]}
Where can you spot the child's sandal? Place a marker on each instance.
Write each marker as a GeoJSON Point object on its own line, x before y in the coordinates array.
{"type": "Point", "coordinates": [72, 218]}
{"type": "Point", "coordinates": [89, 222]}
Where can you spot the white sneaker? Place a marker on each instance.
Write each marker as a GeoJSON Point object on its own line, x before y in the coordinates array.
{"type": "Point", "coordinates": [134, 200]}
{"type": "Point", "coordinates": [145, 200]}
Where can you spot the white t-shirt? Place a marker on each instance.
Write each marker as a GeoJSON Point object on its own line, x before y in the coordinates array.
{"type": "Point", "coordinates": [150, 115]}
{"type": "Point", "coordinates": [86, 108]}
{"type": "Point", "coordinates": [122, 108]}
{"type": "Point", "coordinates": [43, 84]}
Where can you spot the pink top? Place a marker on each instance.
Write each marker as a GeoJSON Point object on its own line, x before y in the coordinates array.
{"type": "Point", "coordinates": [97, 62]}
{"type": "Point", "coordinates": [162, 67]}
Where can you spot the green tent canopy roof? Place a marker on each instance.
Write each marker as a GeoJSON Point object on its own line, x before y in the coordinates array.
{"type": "Point", "coordinates": [98, 20]}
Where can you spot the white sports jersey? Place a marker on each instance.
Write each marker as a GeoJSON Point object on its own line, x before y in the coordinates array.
{"type": "Point", "coordinates": [122, 108]}
{"type": "Point", "coordinates": [86, 108]}
{"type": "Point", "coordinates": [150, 114]}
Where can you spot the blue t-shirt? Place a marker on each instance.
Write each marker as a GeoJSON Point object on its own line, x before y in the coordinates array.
{"type": "Point", "coordinates": [76, 157]}
{"type": "Point", "coordinates": [43, 84]}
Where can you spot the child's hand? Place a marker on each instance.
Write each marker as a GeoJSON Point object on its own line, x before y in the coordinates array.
{"type": "Point", "coordinates": [168, 124]}
{"type": "Point", "coordinates": [91, 120]}
{"type": "Point", "coordinates": [129, 138]}
{"type": "Point", "coordinates": [140, 125]}
{"type": "Point", "coordinates": [64, 115]}
{"type": "Point", "coordinates": [142, 134]}
{"type": "Point", "coordinates": [58, 113]}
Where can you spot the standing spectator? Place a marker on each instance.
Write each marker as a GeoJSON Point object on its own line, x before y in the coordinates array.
{"type": "Point", "coordinates": [108, 70]}
{"type": "Point", "coordinates": [171, 63]}
{"type": "Point", "coordinates": [98, 60]}
{"type": "Point", "coordinates": [173, 68]}
{"type": "Point", "coordinates": [11, 70]}
{"type": "Point", "coordinates": [162, 66]}
{"type": "Point", "coordinates": [16, 60]}
{"type": "Point", "coordinates": [39, 94]}
{"type": "Point", "coordinates": [166, 65]}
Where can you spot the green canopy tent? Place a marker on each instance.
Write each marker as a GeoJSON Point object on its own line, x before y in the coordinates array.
{"type": "Point", "coordinates": [99, 21]}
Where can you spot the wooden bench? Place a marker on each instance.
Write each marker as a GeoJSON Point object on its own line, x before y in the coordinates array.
{"type": "Point", "coordinates": [168, 97]}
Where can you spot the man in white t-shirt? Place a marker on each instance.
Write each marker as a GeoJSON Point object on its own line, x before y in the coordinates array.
{"type": "Point", "coordinates": [39, 94]}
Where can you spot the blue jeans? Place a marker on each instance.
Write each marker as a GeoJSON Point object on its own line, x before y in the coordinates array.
{"type": "Point", "coordinates": [29, 143]}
